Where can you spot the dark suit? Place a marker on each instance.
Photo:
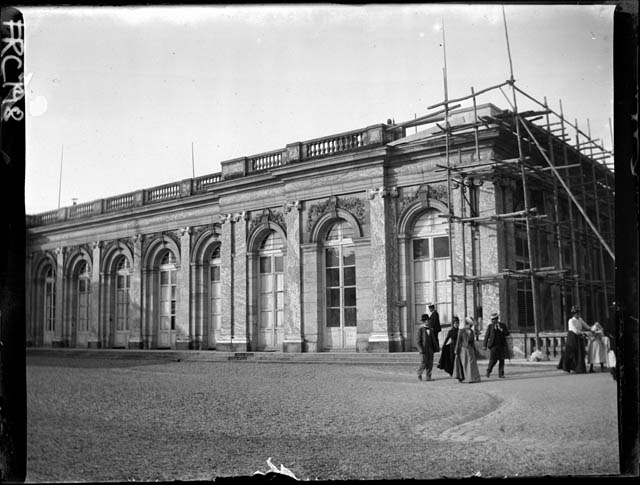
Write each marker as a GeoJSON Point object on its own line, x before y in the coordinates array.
{"type": "Point", "coordinates": [435, 321]}
{"type": "Point", "coordinates": [495, 339]}
{"type": "Point", "coordinates": [427, 346]}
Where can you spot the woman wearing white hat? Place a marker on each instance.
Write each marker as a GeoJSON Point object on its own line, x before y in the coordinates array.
{"type": "Point", "coordinates": [465, 367]}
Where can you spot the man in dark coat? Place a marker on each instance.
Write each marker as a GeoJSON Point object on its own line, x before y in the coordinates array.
{"type": "Point", "coordinates": [435, 318]}
{"type": "Point", "coordinates": [495, 339]}
{"type": "Point", "coordinates": [427, 346]}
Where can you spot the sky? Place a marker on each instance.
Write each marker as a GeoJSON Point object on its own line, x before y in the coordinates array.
{"type": "Point", "coordinates": [129, 98]}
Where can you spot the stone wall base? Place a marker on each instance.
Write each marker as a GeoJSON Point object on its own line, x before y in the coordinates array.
{"type": "Point", "coordinates": [294, 346]}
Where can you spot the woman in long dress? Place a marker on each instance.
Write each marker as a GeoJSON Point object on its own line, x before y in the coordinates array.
{"type": "Point", "coordinates": [466, 363]}
{"type": "Point", "coordinates": [572, 359]}
{"type": "Point", "coordinates": [447, 356]}
{"type": "Point", "coordinates": [597, 349]}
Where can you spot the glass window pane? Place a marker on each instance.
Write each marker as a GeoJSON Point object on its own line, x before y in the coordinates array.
{"type": "Point", "coordinates": [333, 277]}
{"type": "Point", "coordinates": [173, 323]}
{"type": "Point", "coordinates": [279, 282]}
{"type": "Point", "coordinates": [279, 318]}
{"type": "Point", "coordinates": [350, 317]}
{"type": "Point", "coordinates": [165, 293]}
{"type": "Point", "coordinates": [278, 263]}
{"type": "Point", "coordinates": [332, 257]}
{"type": "Point", "coordinates": [423, 292]}
{"type": "Point", "coordinates": [441, 247]}
{"type": "Point", "coordinates": [443, 269]}
{"type": "Point", "coordinates": [349, 297]}
{"type": "Point", "coordinates": [333, 297]}
{"type": "Point", "coordinates": [420, 248]}
{"type": "Point", "coordinates": [215, 290]}
{"type": "Point", "coordinates": [174, 275]}
{"type": "Point", "coordinates": [266, 319]}
{"type": "Point", "coordinates": [333, 317]}
{"type": "Point", "coordinates": [164, 277]}
{"type": "Point", "coordinates": [120, 282]}
{"type": "Point", "coordinates": [215, 273]}
{"type": "Point", "coordinates": [348, 256]}
{"type": "Point", "coordinates": [265, 264]}
{"type": "Point", "coordinates": [279, 300]}
{"type": "Point", "coordinates": [266, 301]}
{"type": "Point", "coordinates": [350, 276]}
{"type": "Point", "coordinates": [266, 283]}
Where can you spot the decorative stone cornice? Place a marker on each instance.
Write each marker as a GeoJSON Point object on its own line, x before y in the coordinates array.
{"type": "Point", "coordinates": [353, 205]}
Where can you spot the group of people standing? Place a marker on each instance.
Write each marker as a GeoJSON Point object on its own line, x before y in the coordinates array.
{"type": "Point", "coordinates": [459, 357]}
{"type": "Point", "coordinates": [583, 342]}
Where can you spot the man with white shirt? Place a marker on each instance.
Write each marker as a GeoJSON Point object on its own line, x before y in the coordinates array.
{"type": "Point", "coordinates": [572, 358]}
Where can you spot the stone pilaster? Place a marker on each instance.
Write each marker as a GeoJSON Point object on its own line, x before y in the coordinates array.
{"type": "Point", "coordinates": [198, 295]}
{"type": "Point", "coordinates": [135, 296]}
{"type": "Point", "coordinates": [95, 339]}
{"type": "Point", "coordinates": [57, 337]}
{"type": "Point", "coordinates": [184, 333]}
{"type": "Point", "coordinates": [292, 278]}
{"type": "Point", "coordinates": [312, 308]}
{"type": "Point", "coordinates": [365, 295]}
{"type": "Point", "coordinates": [226, 287]}
{"type": "Point", "coordinates": [239, 329]}
{"type": "Point", "coordinates": [384, 335]}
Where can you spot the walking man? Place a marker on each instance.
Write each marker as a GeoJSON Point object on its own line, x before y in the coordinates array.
{"type": "Point", "coordinates": [427, 346]}
{"type": "Point", "coordinates": [495, 338]}
{"type": "Point", "coordinates": [435, 318]}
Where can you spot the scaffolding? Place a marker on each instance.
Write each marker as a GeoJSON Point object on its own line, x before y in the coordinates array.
{"type": "Point", "coordinates": [556, 157]}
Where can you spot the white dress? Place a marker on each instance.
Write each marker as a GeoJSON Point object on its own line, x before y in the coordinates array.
{"type": "Point", "coordinates": [597, 349]}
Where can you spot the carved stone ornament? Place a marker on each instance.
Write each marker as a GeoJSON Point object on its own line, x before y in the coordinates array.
{"type": "Point", "coordinates": [383, 192]}
{"type": "Point", "coordinates": [268, 215]}
{"type": "Point", "coordinates": [288, 206]}
{"type": "Point", "coordinates": [353, 205]}
{"type": "Point", "coordinates": [424, 193]}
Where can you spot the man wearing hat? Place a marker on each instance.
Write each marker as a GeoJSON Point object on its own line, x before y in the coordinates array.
{"type": "Point", "coordinates": [435, 318]}
{"type": "Point", "coordinates": [495, 339]}
{"type": "Point", "coordinates": [427, 346]}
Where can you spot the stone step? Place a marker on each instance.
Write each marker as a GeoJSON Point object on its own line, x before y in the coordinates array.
{"type": "Point", "coordinates": [405, 358]}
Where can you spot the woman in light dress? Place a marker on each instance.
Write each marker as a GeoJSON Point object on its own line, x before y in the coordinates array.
{"type": "Point", "coordinates": [465, 367]}
{"type": "Point", "coordinates": [597, 348]}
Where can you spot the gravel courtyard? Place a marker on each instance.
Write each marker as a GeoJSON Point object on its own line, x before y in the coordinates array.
{"type": "Point", "coordinates": [105, 420]}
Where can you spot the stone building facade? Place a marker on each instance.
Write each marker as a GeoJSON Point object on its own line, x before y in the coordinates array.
{"type": "Point", "coordinates": [331, 244]}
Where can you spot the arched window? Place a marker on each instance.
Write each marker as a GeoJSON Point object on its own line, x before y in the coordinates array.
{"type": "Point", "coordinates": [168, 280]}
{"type": "Point", "coordinates": [340, 286]}
{"type": "Point", "coordinates": [271, 291]}
{"type": "Point", "coordinates": [123, 281]}
{"type": "Point", "coordinates": [84, 295]}
{"type": "Point", "coordinates": [49, 299]}
{"type": "Point", "coordinates": [214, 291]}
{"type": "Point", "coordinates": [431, 265]}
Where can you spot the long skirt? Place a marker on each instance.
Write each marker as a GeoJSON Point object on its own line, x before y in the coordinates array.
{"type": "Point", "coordinates": [466, 366]}
{"type": "Point", "coordinates": [597, 351]}
{"type": "Point", "coordinates": [572, 359]}
{"type": "Point", "coordinates": [447, 359]}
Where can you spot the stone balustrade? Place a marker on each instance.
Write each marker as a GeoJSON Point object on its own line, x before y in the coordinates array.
{"type": "Point", "coordinates": [266, 161]}
{"type": "Point", "coordinates": [551, 344]}
{"type": "Point", "coordinates": [240, 167]}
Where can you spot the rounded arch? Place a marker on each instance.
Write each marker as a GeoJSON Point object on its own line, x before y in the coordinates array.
{"type": "Point", "coordinates": [44, 260]}
{"type": "Point", "coordinates": [261, 231]}
{"type": "Point", "coordinates": [112, 255]}
{"type": "Point", "coordinates": [414, 211]}
{"type": "Point", "coordinates": [322, 225]}
{"type": "Point", "coordinates": [157, 247]}
{"type": "Point", "coordinates": [204, 246]}
{"type": "Point", "coordinates": [75, 258]}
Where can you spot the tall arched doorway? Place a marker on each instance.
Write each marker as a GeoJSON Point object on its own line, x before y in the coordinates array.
{"type": "Point", "coordinates": [167, 298]}
{"type": "Point", "coordinates": [122, 282]}
{"type": "Point", "coordinates": [215, 298]}
{"type": "Point", "coordinates": [340, 287]}
{"type": "Point", "coordinates": [271, 292]}
{"type": "Point", "coordinates": [430, 266]}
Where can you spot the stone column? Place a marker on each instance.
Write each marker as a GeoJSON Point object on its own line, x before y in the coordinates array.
{"type": "Point", "coordinates": [239, 328]}
{"type": "Point", "coordinates": [292, 279]}
{"type": "Point", "coordinates": [223, 341]}
{"type": "Point", "coordinates": [184, 334]}
{"type": "Point", "coordinates": [95, 338]}
{"type": "Point", "coordinates": [57, 337]}
{"type": "Point", "coordinates": [312, 307]}
{"type": "Point", "coordinates": [384, 335]}
{"type": "Point", "coordinates": [135, 296]}
{"type": "Point", "coordinates": [406, 326]}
